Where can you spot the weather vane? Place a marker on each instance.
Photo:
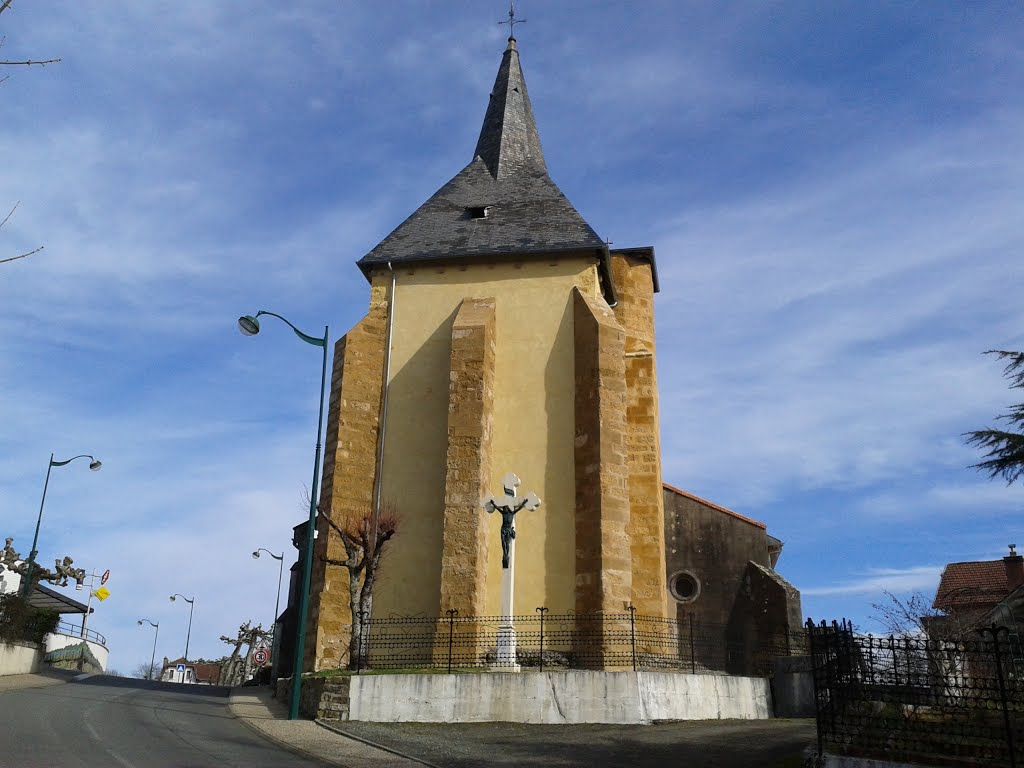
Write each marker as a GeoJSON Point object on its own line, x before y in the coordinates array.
{"type": "Point", "coordinates": [512, 20]}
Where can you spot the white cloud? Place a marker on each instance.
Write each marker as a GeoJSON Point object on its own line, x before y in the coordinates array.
{"type": "Point", "coordinates": [834, 248]}
{"type": "Point", "coordinates": [923, 578]}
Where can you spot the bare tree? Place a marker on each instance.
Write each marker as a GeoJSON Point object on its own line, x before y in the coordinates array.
{"type": "Point", "coordinates": [5, 5]}
{"type": "Point", "coordinates": [236, 669]}
{"type": "Point", "coordinates": [23, 255]}
{"type": "Point", "coordinates": [364, 538]}
{"type": "Point", "coordinates": [916, 615]}
{"type": "Point", "coordinates": [145, 671]}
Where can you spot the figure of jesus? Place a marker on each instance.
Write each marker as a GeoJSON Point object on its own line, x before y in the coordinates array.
{"type": "Point", "coordinates": [508, 505]}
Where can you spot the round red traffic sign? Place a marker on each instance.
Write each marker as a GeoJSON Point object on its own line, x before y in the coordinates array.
{"type": "Point", "coordinates": [260, 656]}
{"type": "Point", "coordinates": [104, 577]}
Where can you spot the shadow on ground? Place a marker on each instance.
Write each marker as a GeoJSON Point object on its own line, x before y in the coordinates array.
{"type": "Point", "coordinates": [215, 691]}
{"type": "Point", "coordinates": [717, 744]}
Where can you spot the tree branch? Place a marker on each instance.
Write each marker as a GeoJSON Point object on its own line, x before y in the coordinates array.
{"type": "Point", "coordinates": [29, 63]}
{"type": "Point", "coordinates": [15, 258]}
{"type": "Point", "coordinates": [1005, 450]}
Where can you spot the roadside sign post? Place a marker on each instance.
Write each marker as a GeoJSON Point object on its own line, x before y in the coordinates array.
{"type": "Point", "coordinates": [102, 593]}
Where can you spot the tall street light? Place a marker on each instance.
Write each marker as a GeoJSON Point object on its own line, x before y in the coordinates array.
{"type": "Point", "coordinates": [152, 658]}
{"type": "Point", "coordinates": [250, 326]}
{"type": "Point", "coordinates": [277, 605]}
{"type": "Point", "coordinates": [191, 607]}
{"type": "Point", "coordinates": [94, 464]}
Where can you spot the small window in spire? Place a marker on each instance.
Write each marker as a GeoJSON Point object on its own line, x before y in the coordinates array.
{"type": "Point", "coordinates": [477, 212]}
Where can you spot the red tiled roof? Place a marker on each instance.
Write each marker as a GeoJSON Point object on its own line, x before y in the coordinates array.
{"type": "Point", "coordinates": [707, 503]}
{"type": "Point", "coordinates": [977, 583]}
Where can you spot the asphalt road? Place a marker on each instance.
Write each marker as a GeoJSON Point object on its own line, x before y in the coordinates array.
{"type": "Point", "coordinates": [694, 744]}
{"type": "Point", "coordinates": [113, 722]}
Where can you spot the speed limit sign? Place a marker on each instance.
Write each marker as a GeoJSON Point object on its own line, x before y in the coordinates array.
{"type": "Point", "coordinates": [104, 577]}
{"type": "Point", "coordinates": [260, 656]}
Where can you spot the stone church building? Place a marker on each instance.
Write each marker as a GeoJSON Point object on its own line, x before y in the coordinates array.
{"type": "Point", "coordinates": [504, 335]}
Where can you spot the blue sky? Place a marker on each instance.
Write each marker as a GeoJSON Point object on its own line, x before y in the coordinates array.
{"type": "Point", "coordinates": [833, 191]}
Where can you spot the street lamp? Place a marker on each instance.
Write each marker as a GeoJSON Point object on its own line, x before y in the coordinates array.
{"type": "Point", "coordinates": [277, 605]}
{"type": "Point", "coordinates": [250, 326]}
{"type": "Point", "coordinates": [191, 607]}
{"type": "Point", "coordinates": [94, 464]}
{"type": "Point", "coordinates": [152, 659]}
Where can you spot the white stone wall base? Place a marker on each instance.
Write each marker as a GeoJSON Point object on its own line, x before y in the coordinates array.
{"type": "Point", "coordinates": [557, 697]}
{"type": "Point", "coordinates": [20, 658]}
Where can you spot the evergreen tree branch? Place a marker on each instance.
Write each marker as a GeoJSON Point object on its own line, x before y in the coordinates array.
{"type": "Point", "coordinates": [1004, 450]}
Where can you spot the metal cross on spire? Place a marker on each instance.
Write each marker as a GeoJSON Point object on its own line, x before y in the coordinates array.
{"type": "Point", "coordinates": [512, 20]}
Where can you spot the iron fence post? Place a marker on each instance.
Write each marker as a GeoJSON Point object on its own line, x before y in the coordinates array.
{"type": "Point", "coordinates": [815, 674]}
{"type": "Point", "coordinates": [693, 656]}
{"type": "Point", "coordinates": [542, 611]}
{"type": "Point", "coordinates": [994, 630]}
{"type": "Point", "coordinates": [895, 669]}
{"type": "Point", "coordinates": [452, 613]}
{"type": "Point", "coordinates": [632, 633]}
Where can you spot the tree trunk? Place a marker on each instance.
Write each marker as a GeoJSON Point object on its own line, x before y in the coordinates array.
{"type": "Point", "coordinates": [356, 657]}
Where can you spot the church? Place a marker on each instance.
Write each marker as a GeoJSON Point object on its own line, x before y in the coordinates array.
{"type": "Point", "coordinates": [504, 335]}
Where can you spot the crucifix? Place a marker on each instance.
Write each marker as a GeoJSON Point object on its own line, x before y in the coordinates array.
{"type": "Point", "coordinates": [508, 505]}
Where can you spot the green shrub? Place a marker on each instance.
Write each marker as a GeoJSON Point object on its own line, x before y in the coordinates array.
{"type": "Point", "coordinates": [19, 621]}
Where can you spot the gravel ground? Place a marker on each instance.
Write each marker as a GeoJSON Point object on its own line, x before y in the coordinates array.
{"type": "Point", "coordinates": [715, 744]}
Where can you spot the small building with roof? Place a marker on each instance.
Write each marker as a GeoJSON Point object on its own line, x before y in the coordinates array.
{"type": "Point", "coordinates": [976, 593]}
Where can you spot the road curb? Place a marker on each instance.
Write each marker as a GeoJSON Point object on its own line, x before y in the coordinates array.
{"type": "Point", "coordinates": [375, 745]}
{"type": "Point", "coordinates": [288, 746]}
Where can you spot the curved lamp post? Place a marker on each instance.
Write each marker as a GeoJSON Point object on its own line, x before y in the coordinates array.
{"type": "Point", "coordinates": [277, 605]}
{"type": "Point", "coordinates": [152, 658]}
{"type": "Point", "coordinates": [191, 607]}
{"type": "Point", "coordinates": [250, 326]}
{"type": "Point", "coordinates": [94, 465]}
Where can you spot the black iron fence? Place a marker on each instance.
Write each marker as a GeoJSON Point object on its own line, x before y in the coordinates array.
{"type": "Point", "coordinates": [570, 641]}
{"type": "Point", "coordinates": [956, 702]}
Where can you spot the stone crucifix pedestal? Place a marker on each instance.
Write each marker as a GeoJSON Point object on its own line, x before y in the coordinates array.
{"type": "Point", "coordinates": [508, 505]}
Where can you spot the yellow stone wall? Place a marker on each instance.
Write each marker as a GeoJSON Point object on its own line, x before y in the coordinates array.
{"type": "Point", "coordinates": [346, 491]}
{"type": "Point", "coordinates": [502, 366]}
{"type": "Point", "coordinates": [635, 313]}
{"type": "Point", "coordinates": [532, 427]}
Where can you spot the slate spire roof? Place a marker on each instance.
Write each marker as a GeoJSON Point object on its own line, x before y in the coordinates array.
{"type": "Point", "coordinates": [508, 138]}
{"type": "Point", "coordinates": [502, 203]}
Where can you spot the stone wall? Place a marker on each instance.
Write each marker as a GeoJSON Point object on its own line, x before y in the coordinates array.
{"type": "Point", "coordinates": [470, 421]}
{"type": "Point", "coordinates": [557, 697]}
{"type": "Point", "coordinates": [634, 311]}
{"type": "Point", "coordinates": [19, 658]}
{"type": "Point", "coordinates": [603, 570]}
{"type": "Point", "coordinates": [349, 473]}
{"type": "Point", "coordinates": [714, 545]}
{"type": "Point", "coordinates": [320, 698]}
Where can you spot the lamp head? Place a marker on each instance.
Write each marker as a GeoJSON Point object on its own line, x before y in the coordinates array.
{"type": "Point", "coordinates": [172, 598]}
{"type": "Point", "coordinates": [140, 622]}
{"type": "Point", "coordinates": [95, 464]}
{"type": "Point", "coordinates": [248, 325]}
{"type": "Point", "coordinates": [256, 555]}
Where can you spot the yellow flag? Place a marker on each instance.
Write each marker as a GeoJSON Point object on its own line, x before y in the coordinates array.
{"type": "Point", "coordinates": [102, 593]}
